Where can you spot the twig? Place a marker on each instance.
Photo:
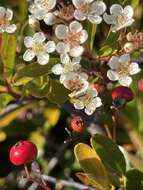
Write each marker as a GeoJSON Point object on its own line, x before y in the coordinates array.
{"type": "Point", "coordinates": [29, 178]}
{"type": "Point", "coordinates": [67, 183]}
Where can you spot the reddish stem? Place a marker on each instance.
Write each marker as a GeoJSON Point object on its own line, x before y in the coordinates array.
{"type": "Point", "coordinates": [35, 180]}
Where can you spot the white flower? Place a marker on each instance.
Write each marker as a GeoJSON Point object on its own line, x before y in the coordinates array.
{"type": "Point", "coordinates": [6, 16]}
{"type": "Point", "coordinates": [67, 65]}
{"type": "Point", "coordinates": [38, 47]}
{"type": "Point", "coordinates": [76, 83]}
{"type": "Point", "coordinates": [41, 10]}
{"type": "Point", "coordinates": [89, 101]}
{"type": "Point", "coordinates": [72, 37]}
{"type": "Point", "coordinates": [121, 69]}
{"type": "Point", "coordinates": [89, 9]}
{"type": "Point", "coordinates": [119, 18]}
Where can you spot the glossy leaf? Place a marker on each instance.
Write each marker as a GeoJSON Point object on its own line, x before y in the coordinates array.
{"type": "Point", "coordinates": [8, 53]}
{"type": "Point", "coordinates": [38, 88]}
{"type": "Point", "coordinates": [91, 28]}
{"type": "Point", "coordinates": [134, 180]}
{"type": "Point", "coordinates": [92, 165]}
{"type": "Point", "coordinates": [109, 153]}
{"type": "Point", "coordinates": [28, 72]}
{"type": "Point", "coordinates": [4, 100]}
{"type": "Point", "coordinates": [58, 94]}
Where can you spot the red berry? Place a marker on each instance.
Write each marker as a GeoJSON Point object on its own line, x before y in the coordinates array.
{"type": "Point", "coordinates": [77, 124]}
{"type": "Point", "coordinates": [140, 85]}
{"type": "Point", "coordinates": [122, 92]}
{"type": "Point", "coordinates": [22, 153]}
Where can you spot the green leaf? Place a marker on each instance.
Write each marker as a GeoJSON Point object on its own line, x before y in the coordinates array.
{"type": "Point", "coordinates": [8, 53]}
{"type": "Point", "coordinates": [23, 9]}
{"type": "Point", "coordinates": [133, 3]}
{"type": "Point", "coordinates": [110, 154]}
{"type": "Point", "coordinates": [38, 87]}
{"type": "Point", "coordinates": [4, 100]}
{"type": "Point", "coordinates": [105, 51]}
{"type": "Point", "coordinates": [57, 93]}
{"type": "Point", "coordinates": [134, 180]}
{"type": "Point", "coordinates": [92, 166]}
{"type": "Point", "coordinates": [33, 70]}
{"type": "Point", "coordinates": [91, 29]}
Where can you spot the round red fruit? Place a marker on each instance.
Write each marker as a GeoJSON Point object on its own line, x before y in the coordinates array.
{"type": "Point", "coordinates": [122, 92]}
{"type": "Point", "coordinates": [77, 124]}
{"type": "Point", "coordinates": [22, 153]}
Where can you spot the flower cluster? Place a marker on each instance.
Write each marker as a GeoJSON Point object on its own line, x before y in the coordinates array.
{"type": "Point", "coordinates": [68, 43]}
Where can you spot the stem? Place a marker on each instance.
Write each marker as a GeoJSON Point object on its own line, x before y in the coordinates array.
{"type": "Point", "coordinates": [107, 131]}
{"type": "Point", "coordinates": [67, 183]}
{"type": "Point", "coordinates": [29, 178]}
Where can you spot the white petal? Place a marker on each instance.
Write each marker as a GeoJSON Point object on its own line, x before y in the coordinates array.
{"type": "Point", "coordinates": [92, 92]}
{"type": "Point", "coordinates": [83, 36]}
{"type": "Point", "coordinates": [109, 19]}
{"type": "Point", "coordinates": [79, 15]}
{"type": "Point", "coordinates": [2, 12]}
{"type": "Point", "coordinates": [97, 102]}
{"type": "Point", "coordinates": [76, 51]}
{"type": "Point", "coordinates": [78, 3]}
{"type": "Point", "coordinates": [43, 59]}
{"type": "Point", "coordinates": [97, 7]}
{"type": "Point", "coordinates": [9, 14]}
{"type": "Point", "coordinates": [90, 109]}
{"type": "Point", "coordinates": [50, 19]}
{"type": "Point", "coordinates": [65, 58]}
{"type": "Point", "coordinates": [50, 46]}
{"type": "Point", "coordinates": [28, 42]}
{"type": "Point", "coordinates": [11, 28]}
{"type": "Point", "coordinates": [75, 27]}
{"type": "Point", "coordinates": [61, 31]}
{"type": "Point", "coordinates": [62, 48]}
{"type": "Point", "coordinates": [128, 11]}
{"type": "Point", "coordinates": [119, 27]}
{"type": "Point", "coordinates": [124, 58]}
{"type": "Point", "coordinates": [47, 4]}
{"type": "Point", "coordinates": [39, 37]}
{"type": "Point", "coordinates": [84, 76]}
{"type": "Point", "coordinates": [95, 19]}
{"type": "Point", "coordinates": [57, 69]}
{"type": "Point", "coordinates": [114, 62]}
{"type": "Point", "coordinates": [134, 68]}
{"type": "Point", "coordinates": [125, 81]}
{"type": "Point", "coordinates": [62, 78]}
{"type": "Point", "coordinates": [112, 75]}
{"type": "Point", "coordinates": [116, 9]}
{"type": "Point", "coordinates": [76, 60]}
{"type": "Point", "coordinates": [28, 55]}
{"type": "Point", "coordinates": [78, 104]}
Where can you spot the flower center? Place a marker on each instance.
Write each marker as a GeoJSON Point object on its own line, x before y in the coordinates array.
{"type": "Point", "coordinates": [121, 19]}
{"type": "Point", "coordinates": [4, 22]}
{"type": "Point", "coordinates": [45, 4]}
{"type": "Point", "coordinates": [73, 39]}
{"type": "Point", "coordinates": [68, 67]}
{"type": "Point", "coordinates": [124, 69]}
{"type": "Point", "coordinates": [66, 12]}
{"type": "Point", "coordinates": [84, 8]}
{"type": "Point", "coordinates": [75, 85]}
{"type": "Point", "coordinates": [38, 48]}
